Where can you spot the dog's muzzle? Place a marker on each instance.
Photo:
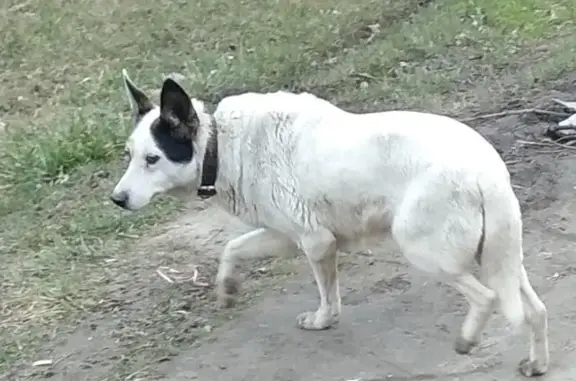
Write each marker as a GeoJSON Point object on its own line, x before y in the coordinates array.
{"type": "Point", "coordinates": [120, 199]}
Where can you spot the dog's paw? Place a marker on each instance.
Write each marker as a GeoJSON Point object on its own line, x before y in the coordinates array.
{"type": "Point", "coordinates": [463, 346]}
{"type": "Point", "coordinates": [314, 321]}
{"type": "Point", "coordinates": [530, 368]}
{"type": "Point", "coordinates": [226, 292]}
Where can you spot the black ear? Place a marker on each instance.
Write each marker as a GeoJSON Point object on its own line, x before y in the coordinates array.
{"type": "Point", "coordinates": [139, 101]}
{"type": "Point", "coordinates": [176, 107]}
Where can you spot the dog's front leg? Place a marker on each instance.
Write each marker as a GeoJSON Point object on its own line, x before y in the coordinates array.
{"type": "Point", "coordinates": [258, 243]}
{"type": "Point", "coordinates": [320, 248]}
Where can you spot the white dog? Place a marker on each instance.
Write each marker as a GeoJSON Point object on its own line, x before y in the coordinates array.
{"type": "Point", "coordinates": [311, 176]}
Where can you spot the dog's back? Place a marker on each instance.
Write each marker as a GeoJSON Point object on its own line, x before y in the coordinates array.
{"type": "Point", "coordinates": [322, 166]}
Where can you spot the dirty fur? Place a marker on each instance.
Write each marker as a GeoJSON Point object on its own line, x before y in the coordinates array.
{"type": "Point", "coordinates": [311, 177]}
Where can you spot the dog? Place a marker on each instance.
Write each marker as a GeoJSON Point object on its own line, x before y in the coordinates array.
{"type": "Point", "coordinates": [311, 177]}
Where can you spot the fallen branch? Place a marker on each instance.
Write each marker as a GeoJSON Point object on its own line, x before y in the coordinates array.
{"type": "Point", "coordinates": [568, 105]}
{"type": "Point", "coordinates": [567, 138]}
{"type": "Point", "coordinates": [563, 128]}
{"type": "Point", "coordinates": [177, 276]}
{"type": "Point", "coordinates": [515, 112]}
{"type": "Point", "coordinates": [164, 276]}
{"type": "Point", "coordinates": [550, 143]}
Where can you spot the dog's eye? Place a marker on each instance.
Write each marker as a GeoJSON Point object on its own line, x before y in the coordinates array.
{"type": "Point", "coordinates": [152, 159]}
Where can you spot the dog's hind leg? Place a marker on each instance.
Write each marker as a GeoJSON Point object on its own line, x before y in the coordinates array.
{"type": "Point", "coordinates": [440, 233]}
{"type": "Point", "coordinates": [481, 300]}
{"type": "Point", "coordinates": [536, 315]}
{"type": "Point", "coordinates": [258, 243]}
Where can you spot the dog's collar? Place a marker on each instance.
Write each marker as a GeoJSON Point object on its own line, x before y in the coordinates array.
{"type": "Point", "coordinates": [210, 165]}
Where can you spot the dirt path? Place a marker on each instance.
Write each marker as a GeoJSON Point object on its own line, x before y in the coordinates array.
{"type": "Point", "coordinates": [397, 323]}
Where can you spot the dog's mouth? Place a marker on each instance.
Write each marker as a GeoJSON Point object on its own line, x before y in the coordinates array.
{"type": "Point", "coordinates": [123, 200]}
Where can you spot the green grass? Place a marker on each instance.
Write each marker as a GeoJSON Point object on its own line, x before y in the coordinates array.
{"type": "Point", "coordinates": [65, 112]}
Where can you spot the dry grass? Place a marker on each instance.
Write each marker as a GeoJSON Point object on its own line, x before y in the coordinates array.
{"type": "Point", "coordinates": [63, 110]}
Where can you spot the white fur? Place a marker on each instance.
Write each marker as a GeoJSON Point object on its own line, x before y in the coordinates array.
{"type": "Point", "coordinates": [307, 174]}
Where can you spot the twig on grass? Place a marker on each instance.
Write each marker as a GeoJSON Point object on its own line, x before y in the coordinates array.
{"type": "Point", "coordinates": [515, 112]}
{"type": "Point", "coordinates": [176, 278]}
{"type": "Point", "coordinates": [164, 276]}
{"type": "Point", "coordinates": [564, 128]}
{"type": "Point", "coordinates": [569, 139]}
{"type": "Point", "coordinates": [550, 143]}
{"type": "Point", "coordinates": [568, 105]}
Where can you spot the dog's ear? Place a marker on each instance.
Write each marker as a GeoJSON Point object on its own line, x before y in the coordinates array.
{"type": "Point", "coordinates": [176, 109]}
{"type": "Point", "coordinates": [139, 101]}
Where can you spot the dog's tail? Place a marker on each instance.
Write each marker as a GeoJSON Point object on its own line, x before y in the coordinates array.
{"type": "Point", "coordinates": [500, 251]}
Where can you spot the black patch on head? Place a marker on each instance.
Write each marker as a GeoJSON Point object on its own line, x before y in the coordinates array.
{"type": "Point", "coordinates": [176, 146]}
{"type": "Point", "coordinates": [176, 128]}
{"type": "Point", "coordinates": [175, 104]}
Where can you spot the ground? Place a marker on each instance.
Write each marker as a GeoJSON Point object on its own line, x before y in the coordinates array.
{"type": "Point", "coordinates": [81, 282]}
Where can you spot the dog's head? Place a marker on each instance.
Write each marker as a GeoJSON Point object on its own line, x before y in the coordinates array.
{"type": "Point", "coordinates": [163, 149]}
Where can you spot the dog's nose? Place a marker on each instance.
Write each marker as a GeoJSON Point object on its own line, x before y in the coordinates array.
{"type": "Point", "coordinates": [120, 199]}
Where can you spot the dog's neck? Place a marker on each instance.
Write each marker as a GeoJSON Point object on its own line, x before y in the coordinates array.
{"type": "Point", "coordinates": [210, 163]}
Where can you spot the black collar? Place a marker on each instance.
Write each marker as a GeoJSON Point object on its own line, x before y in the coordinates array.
{"type": "Point", "coordinates": [210, 165]}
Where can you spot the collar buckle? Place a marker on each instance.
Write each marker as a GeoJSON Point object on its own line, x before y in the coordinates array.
{"type": "Point", "coordinates": [206, 191]}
